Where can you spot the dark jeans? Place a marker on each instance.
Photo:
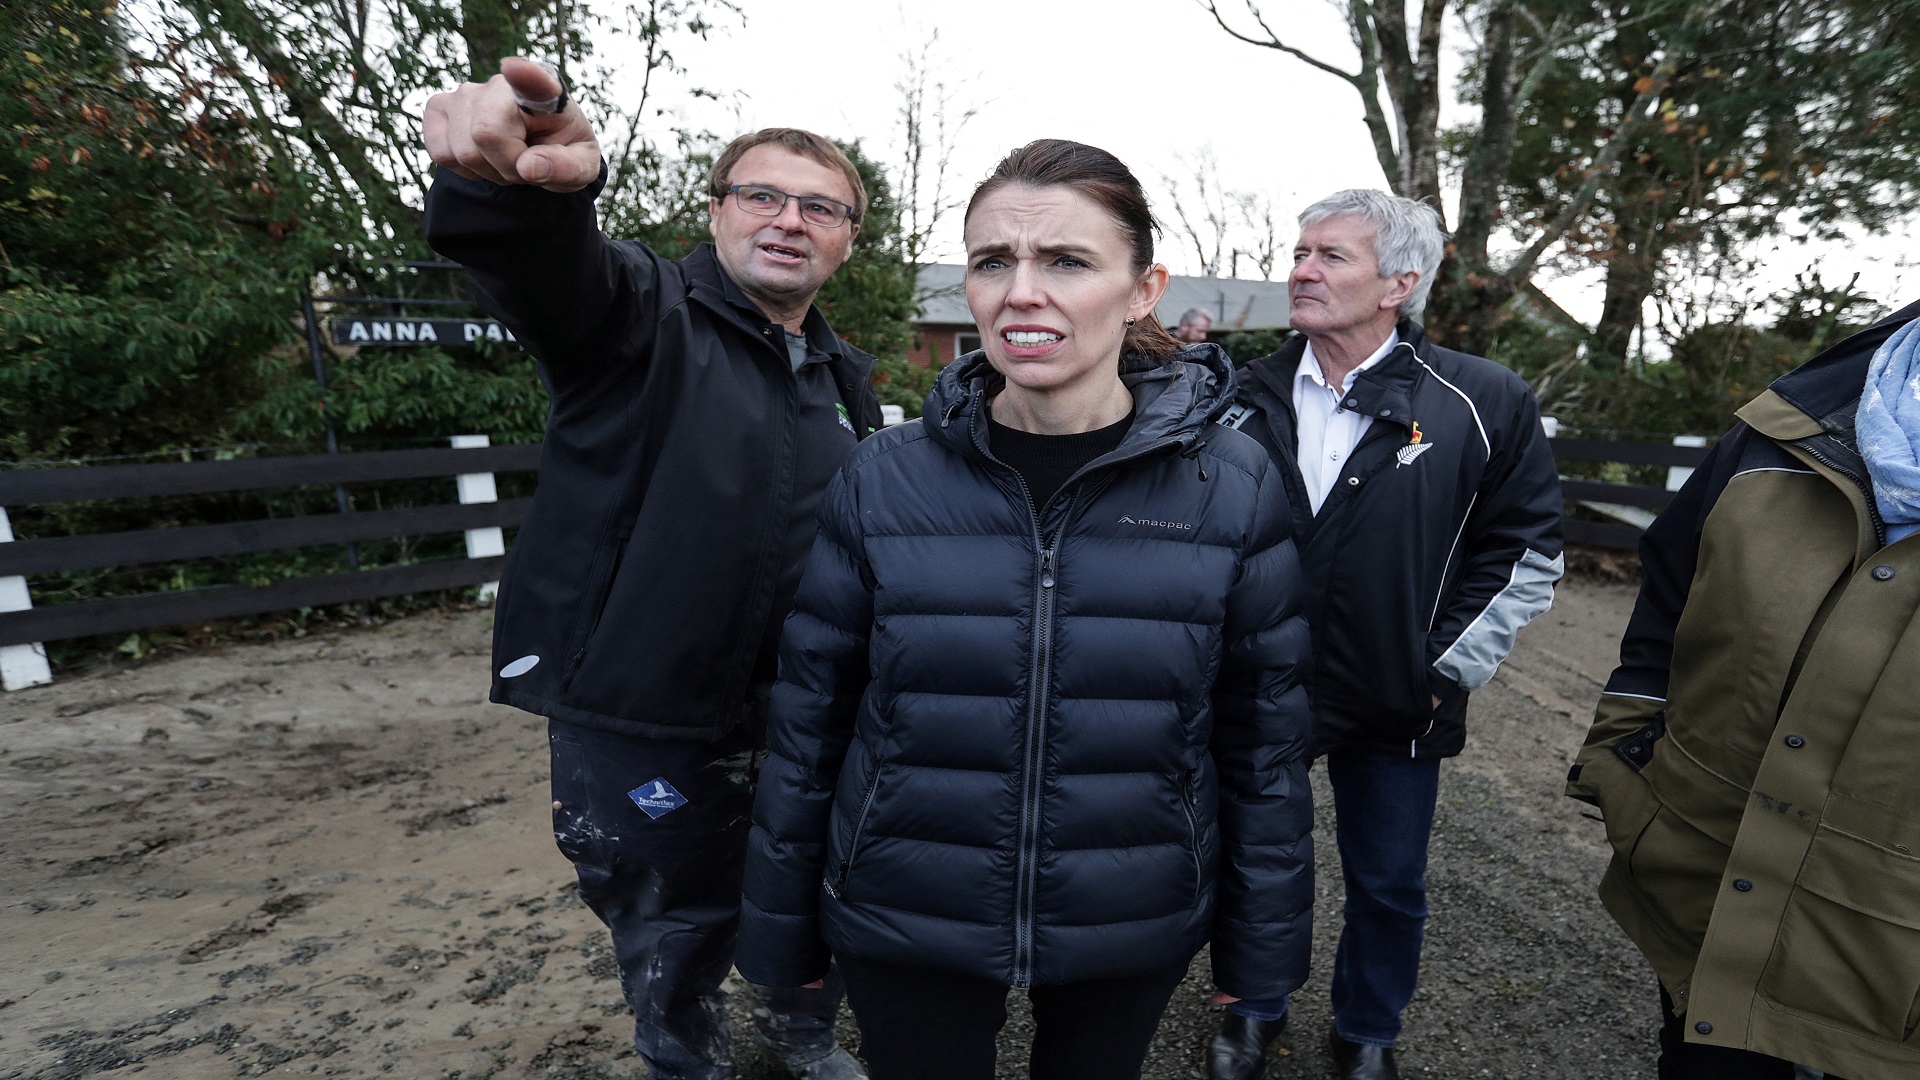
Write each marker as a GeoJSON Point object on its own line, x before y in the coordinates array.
{"type": "Point", "coordinates": [668, 888]}
{"type": "Point", "coordinates": [919, 1024]}
{"type": "Point", "coordinates": [1682, 1060]}
{"type": "Point", "coordinates": [1383, 811]}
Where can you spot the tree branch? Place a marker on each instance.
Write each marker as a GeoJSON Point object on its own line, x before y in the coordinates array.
{"type": "Point", "coordinates": [1623, 135]}
{"type": "Point", "coordinates": [1273, 42]}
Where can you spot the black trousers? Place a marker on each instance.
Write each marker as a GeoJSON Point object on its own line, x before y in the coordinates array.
{"type": "Point", "coordinates": [657, 833]}
{"type": "Point", "coordinates": [919, 1024]}
{"type": "Point", "coordinates": [1682, 1060]}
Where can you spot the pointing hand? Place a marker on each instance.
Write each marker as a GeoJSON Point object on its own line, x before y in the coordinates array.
{"type": "Point", "coordinates": [481, 132]}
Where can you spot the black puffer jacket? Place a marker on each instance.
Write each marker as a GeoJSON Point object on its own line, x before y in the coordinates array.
{"type": "Point", "coordinates": [1043, 748]}
{"type": "Point", "coordinates": [643, 587]}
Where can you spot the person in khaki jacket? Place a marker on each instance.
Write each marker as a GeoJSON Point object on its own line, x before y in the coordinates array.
{"type": "Point", "coordinates": [1756, 755]}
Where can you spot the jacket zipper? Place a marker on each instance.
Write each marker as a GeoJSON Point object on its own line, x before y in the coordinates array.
{"type": "Point", "coordinates": [1027, 872]}
{"type": "Point", "coordinates": [1873, 508]}
{"type": "Point", "coordinates": [859, 829]}
{"type": "Point", "coordinates": [1027, 881]}
{"type": "Point", "coordinates": [1193, 830]}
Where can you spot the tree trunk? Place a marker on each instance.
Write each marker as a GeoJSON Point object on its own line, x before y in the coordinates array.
{"type": "Point", "coordinates": [1633, 266]}
{"type": "Point", "coordinates": [1411, 71]}
{"type": "Point", "coordinates": [1634, 249]}
{"type": "Point", "coordinates": [1464, 284]}
{"type": "Point", "coordinates": [494, 30]}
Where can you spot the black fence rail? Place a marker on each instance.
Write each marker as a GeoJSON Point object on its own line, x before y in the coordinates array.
{"type": "Point", "coordinates": [1613, 534]}
{"type": "Point", "coordinates": [128, 613]}
{"type": "Point", "coordinates": [131, 613]}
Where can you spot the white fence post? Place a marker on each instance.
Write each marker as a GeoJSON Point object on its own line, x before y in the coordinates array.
{"type": "Point", "coordinates": [1677, 474]}
{"type": "Point", "coordinates": [478, 488]}
{"type": "Point", "coordinates": [1550, 426]}
{"type": "Point", "coordinates": [21, 666]}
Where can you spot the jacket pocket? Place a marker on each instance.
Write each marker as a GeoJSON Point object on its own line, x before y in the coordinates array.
{"type": "Point", "coordinates": [837, 884]}
{"type": "Point", "coordinates": [1627, 804]}
{"type": "Point", "coordinates": [1848, 949]}
{"type": "Point", "coordinates": [600, 586]}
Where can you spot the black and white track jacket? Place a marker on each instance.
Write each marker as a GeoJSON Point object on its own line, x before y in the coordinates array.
{"type": "Point", "coordinates": [1439, 541]}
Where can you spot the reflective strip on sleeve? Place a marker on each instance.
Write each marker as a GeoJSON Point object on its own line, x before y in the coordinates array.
{"type": "Point", "coordinates": [1479, 650]}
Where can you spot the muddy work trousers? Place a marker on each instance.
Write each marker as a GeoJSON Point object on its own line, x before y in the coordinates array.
{"type": "Point", "coordinates": [657, 831]}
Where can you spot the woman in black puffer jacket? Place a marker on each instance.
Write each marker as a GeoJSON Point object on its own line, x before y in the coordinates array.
{"type": "Point", "coordinates": [1039, 720]}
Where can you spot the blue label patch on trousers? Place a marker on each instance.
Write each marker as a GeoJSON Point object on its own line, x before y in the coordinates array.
{"type": "Point", "coordinates": [656, 797]}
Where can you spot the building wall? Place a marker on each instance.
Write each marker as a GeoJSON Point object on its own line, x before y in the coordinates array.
{"type": "Point", "coordinates": [941, 342]}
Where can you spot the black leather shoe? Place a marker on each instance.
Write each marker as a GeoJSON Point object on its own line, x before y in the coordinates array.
{"type": "Point", "coordinates": [1239, 1052]}
{"type": "Point", "coordinates": [1358, 1061]}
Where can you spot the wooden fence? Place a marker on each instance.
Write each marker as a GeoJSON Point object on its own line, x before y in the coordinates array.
{"type": "Point", "coordinates": [24, 628]}
{"type": "Point", "coordinates": [22, 660]}
{"type": "Point", "coordinates": [1679, 458]}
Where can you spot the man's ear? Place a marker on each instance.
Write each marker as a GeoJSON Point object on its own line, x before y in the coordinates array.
{"type": "Point", "coordinates": [713, 209]}
{"type": "Point", "coordinates": [1403, 285]}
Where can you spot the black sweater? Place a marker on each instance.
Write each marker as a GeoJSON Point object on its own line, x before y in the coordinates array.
{"type": "Point", "coordinates": [1046, 461]}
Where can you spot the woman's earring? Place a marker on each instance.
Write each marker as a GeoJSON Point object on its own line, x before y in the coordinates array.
{"type": "Point", "coordinates": [1129, 320]}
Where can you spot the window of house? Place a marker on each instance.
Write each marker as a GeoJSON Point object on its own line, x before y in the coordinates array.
{"type": "Point", "coordinates": [965, 343]}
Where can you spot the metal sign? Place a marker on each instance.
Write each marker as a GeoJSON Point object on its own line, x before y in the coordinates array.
{"type": "Point", "coordinates": [396, 332]}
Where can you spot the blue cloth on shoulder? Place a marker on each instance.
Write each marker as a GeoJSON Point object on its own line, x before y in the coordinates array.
{"type": "Point", "coordinates": [1888, 426]}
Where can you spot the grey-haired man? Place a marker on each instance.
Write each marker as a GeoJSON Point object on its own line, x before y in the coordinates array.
{"type": "Point", "coordinates": [1194, 325]}
{"type": "Point", "coordinates": [1427, 510]}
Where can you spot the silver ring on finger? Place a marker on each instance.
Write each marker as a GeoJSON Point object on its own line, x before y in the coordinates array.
{"type": "Point", "coordinates": [552, 106]}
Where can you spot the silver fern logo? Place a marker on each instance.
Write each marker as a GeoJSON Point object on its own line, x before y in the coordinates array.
{"type": "Point", "coordinates": [1407, 453]}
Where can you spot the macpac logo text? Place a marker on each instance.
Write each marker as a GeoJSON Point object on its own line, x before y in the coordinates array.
{"type": "Point", "coordinates": [1155, 524]}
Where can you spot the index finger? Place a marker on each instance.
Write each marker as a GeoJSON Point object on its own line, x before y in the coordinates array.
{"type": "Point", "coordinates": [530, 79]}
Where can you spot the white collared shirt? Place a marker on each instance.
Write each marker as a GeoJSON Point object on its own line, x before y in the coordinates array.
{"type": "Point", "coordinates": [1326, 432]}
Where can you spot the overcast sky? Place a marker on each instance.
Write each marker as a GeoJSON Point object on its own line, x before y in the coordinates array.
{"type": "Point", "coordinates": [1145, 79]}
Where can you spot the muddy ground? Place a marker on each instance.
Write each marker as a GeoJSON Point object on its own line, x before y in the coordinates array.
{"type": "Point", "coordinates": [332, 856]}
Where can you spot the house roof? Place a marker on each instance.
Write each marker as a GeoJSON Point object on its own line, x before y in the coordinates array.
{"type": "Point", "coordinates": [1234, 303]}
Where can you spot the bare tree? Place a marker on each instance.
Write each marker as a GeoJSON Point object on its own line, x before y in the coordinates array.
{"type": "Point", "coordinates": [932, 116]}
{"type": "Point", "coordinates": [1259, 236]}
{"type": "Point", "coordinates": [1221, 226]}
{"type": "Point", "coordinates": [1201, 209]}
{"type": "Point", "coordinates": [1408, 68]}
{"type": "Point", "coordinates": [1519, 42]}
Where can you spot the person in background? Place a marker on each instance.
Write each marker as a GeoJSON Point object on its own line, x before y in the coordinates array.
{"type": "Point", "coordinates": [1755, 753]}
{"type": "Point", "coordinates": [1427, 509]}
{"type": "Point", "coordinates": [1039, 721]}
{"type": "Point", "coordinates": [1194, 326]}
{"type": "Point", "coordinates": [698, 409]}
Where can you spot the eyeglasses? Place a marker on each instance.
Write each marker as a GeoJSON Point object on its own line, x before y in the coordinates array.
{"type": "Point", "coordinates": [769, 202]}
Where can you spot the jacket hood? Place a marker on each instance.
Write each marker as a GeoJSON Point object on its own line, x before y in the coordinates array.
{"type": "Point", "coordinates": [1173, 398]}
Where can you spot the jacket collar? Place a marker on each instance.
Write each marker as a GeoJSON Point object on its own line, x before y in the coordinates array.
{"type": "Point", "coordinates": [1173, 400]}
{"type": "Point", "coordinates": [711, 285]}
{"type": "Point", "coordinates": [1821, 395]}
{"type": "Point", "coordinates": [1383, 391]}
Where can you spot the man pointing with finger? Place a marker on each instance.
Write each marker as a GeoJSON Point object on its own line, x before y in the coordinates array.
{"type": "Point", "coordinates": [698, 409]}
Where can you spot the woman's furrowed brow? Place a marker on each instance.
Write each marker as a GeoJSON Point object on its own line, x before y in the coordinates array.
{"type": "Point", "coordinates": [1003, 248]}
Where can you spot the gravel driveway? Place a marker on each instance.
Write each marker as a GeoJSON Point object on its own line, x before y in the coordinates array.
{"type": "Point", "coordinates": [331, 856]}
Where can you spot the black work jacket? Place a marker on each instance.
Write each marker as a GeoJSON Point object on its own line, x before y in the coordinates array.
{"type": "Point", "coordinates": [641, 587]}
{"type": "Point", "coordinates": [1041, 745]}
{"type": "Point", "coordinates": [1432, 550]}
